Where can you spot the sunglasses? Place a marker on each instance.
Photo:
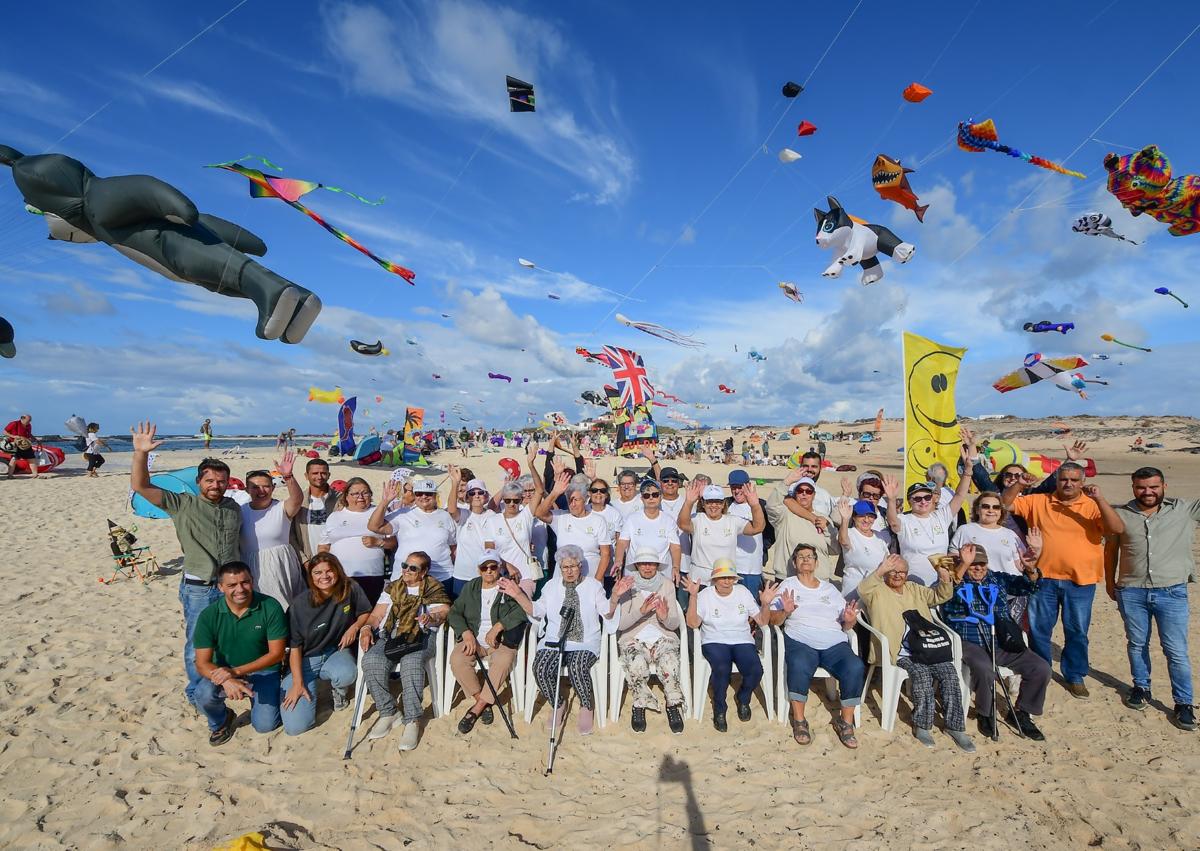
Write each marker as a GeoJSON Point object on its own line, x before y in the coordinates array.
{"type": "Point", "coordinates": [989, 507]}
{"type": "Point", "coordinates": [806, 491]}
{"type": "Point", "coordinates": [490, 566]}
{"type": "Point", "coordinates": [866, 495]}
{"type": "Point", "coordinates": [511, 501]}
{"type": "Point", "coordinates": [412, 568]}
{"type": "Point", "coordinates": [597, 490]}
{"type": "Point", "coordinates": [655, 495]}
{"type": "Point", "coordinates": [476, 493]}
{"type": "Point", "coordinates": [671, 481]}
{"type": "Point", "coordinates": [916, 499]}
{"type": "Point", "coordinates": [1011, 475]}
{"type": "Point", "coordinates": [430, 495]}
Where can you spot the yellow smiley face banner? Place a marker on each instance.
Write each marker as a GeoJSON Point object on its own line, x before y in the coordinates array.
{"type": "Point", "coordinates": [930, 418]}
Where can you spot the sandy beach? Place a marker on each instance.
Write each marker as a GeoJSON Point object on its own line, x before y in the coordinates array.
{"type": "Point", "coordinates": [101, 751]}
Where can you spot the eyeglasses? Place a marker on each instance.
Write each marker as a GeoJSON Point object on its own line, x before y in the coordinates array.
{"type": "Point", "coordinates": [490, 566]}
{"type": "Point", "coordinates": [923, 498]}
{"type": "Point", "coordinates": [359, 494]}
{"type": "Point", "coordinates": [412, 568]}
{"type": "Point", "coordinates": [515, 501]}
{"type": "Point", "coordinates": [654, 495]}
{"type": "Point", "coordinates": [597, 490]}
{"type": "Point", "coordinates": [866, 495]}
{"type": "Point", "coordinates": [805, 557]}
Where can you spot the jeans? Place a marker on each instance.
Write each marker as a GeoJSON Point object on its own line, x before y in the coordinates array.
{"type": "Point", "coordinates": [194, 599]}
{"type": "Point", "coordinates": [753, 582]}
{"type": "Point", "coordinates": [264, 705]}
{"type": "Point", "coordinates": [1075, 602]}
{"type": "Point", "coordinates": [1169, 607]}
{"type": "Point", "coordinates": [336, 666]}
{"type": "Point", "coordinates": [801, 661]}
{"type": "Point", "coordinates": [454, 587]}
{"type": "Point", "coordinates": [721, 658]}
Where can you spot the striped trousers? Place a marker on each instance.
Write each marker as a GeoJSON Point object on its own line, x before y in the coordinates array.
{"type": "Point", "coordinates": [579, 670]}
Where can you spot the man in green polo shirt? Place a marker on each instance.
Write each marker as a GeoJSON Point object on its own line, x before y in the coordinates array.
{"type": "Point", "coordinates": [239, 644]}
{"type": "Point", "coordinates": [208, 527]}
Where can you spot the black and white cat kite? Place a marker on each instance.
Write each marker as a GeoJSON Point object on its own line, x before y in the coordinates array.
{"type": "Point", "coordinates": [857, 244]}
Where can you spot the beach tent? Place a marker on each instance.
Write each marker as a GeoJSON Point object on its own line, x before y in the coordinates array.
{"type": "Point", "coordinates": [176, 481]}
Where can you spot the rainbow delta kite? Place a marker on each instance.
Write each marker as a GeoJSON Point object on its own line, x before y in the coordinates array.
{"type": "Point", "coordinates": [290, 190]}
{"type": "Point", "coordinates": [982, 136]}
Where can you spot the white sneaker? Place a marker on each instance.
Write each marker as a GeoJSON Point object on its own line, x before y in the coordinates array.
{"type": "Point", "coordinates": [409, 737]}
{"type": "Point", "coordinates": [383, 725]}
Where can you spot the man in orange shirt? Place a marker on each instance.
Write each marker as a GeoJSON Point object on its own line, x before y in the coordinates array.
{"type": "Point", "coordinates": [1073, 521]}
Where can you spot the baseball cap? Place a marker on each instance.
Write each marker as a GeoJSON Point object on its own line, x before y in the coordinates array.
{"type": "Point", "coordinates": [713, 492]}
{"type": "Point", "coordinates": [670, 473]}
{"type": "Point", "coordinates": [723, 568]}
{"type": "Point", "coordinates": [476, 485]}
{"type": "Point", "coordinates": [739, 477]}
{"type": "Point", "coordinates": [489, 557]}
{"type": "Point", "coordinates": [864, 507]}
{"type": "Point", "coordinates": [647, 556]}
{"type": "Point", "coordinates": [803, 480]}
{"type": "Point", "coordinates": [981, 556]}
{"type": "Point", "coordinates": [647, 484]}
{"type": "Point", "coordinates": [425, 486]}
{"type": "Point", "coordinates": [917, 487]}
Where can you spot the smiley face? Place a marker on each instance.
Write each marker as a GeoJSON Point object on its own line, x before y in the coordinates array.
{"type": "Point", "coordinates": [930, 379]}
{"type": "Point", "coordinates": [921, 454]}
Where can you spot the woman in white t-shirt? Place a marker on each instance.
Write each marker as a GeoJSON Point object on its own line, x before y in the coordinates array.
{"type": "Point", "coordinates": [714, 531]}
{"type": "Point", "coordinates": [925, 531]}
{"type": "Point", "coordinates": [513, 528]}
{"type": "Point", "coordinates": [987, 530]}
{"type": "Point", "coordinates": [347, 536]}
{"type": "Point", "coordinates": [650, 529]}
{"type": "Point", "coordinates": [862, 549]}
{"type": "Point", "coordinates": [476, 535]}
{"type": "Point", "coordinates": [576, 526]}
{"type": "Point", "coordinates": [723, 613]}
{"type": "Point", "coordinates": [599, 503]}
{"type": "Point", "coordinates": [266, 533]}
{"type": "Point", "coordinates": [816, 621]}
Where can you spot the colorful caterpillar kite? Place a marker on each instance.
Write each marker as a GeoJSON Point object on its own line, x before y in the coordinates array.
{"type": "Point", "coordinates": [981, 136]}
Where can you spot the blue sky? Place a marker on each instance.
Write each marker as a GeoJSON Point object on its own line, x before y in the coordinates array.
{"type": "Point", "coordinates": [648, 161]}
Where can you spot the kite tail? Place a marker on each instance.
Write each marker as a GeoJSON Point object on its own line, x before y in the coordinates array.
{"type": "Point", "coordinates": [354, 196]}
{"type": "Point", "coordinates": [406, 274]}
{"type": "Point", "coordinates": [254, 157]}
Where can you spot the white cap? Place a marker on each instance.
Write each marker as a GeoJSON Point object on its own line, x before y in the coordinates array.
{"type": "Point", "coordinates": [803, 480]}
{"type": "Point", "coordinates": [713, 492]}
{"type": "Point", "coordinates": [647, 556]}
{"type": "Point", "coordinates": [476, 485]}
{"type": "Point", "coordinates": [425, 486]}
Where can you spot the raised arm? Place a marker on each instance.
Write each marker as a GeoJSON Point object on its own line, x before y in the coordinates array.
{"type": "Point", "coordinates": [1113, 524]}
{"type": "Point", "coordinates": [295, 497]}
{"type": "Point", "coordinates": [758, 520]}
{"type": "Point", "coordinates": [684, 520]}
{"type": "Point", "coordinates": [648, 454]}
{"type": "Point", "coordinates": [376, 522]}
{"type": "Point", "coordinates": [845, 512]}
{"type": "Point", "coordinates": [964, 481]}
{"type": "Point", "coordinates": [544, 510]}
{"type": "Point", "coordinates": [891, 489]}
{"type": "Point", "coordinates": [139, 470]}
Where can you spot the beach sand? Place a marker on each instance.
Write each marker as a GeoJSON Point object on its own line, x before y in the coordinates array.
{"type": "Point", "coordinates": [100, 750]}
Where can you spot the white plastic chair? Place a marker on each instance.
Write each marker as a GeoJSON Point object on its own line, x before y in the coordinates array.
{"type": "Point", "coordinates": [599, 678]}
{"type": "Point", "coordinates": [616, 685]}
{"type": "Point", "coordinates": [893, 675]}
{"type": "Point", "coordinates": [701, 671]}
{"type": "Point", "coordinates": [956, 641]}
{"type": "Point", "coordinates": [434, 665]}
{"type": "Point", "coordinates": [783, 707]}
{"type": "Point", "coordinates": [516, 677]}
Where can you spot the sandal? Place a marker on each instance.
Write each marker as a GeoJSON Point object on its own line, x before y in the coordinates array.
{"type": "Point", "coordinates": [467, 724]}
{"type": "Point", "coordinates": [801, 733]}
{"type": "Point", "coordinates": [845, 733]}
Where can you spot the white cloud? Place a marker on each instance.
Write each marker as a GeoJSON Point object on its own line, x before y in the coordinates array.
{"type": "Point", "coordinates": [452, 57]}
{"type": "Point", "coordinates": [201, 97]}
{"type": "Point", "coordinates": [82, 300]}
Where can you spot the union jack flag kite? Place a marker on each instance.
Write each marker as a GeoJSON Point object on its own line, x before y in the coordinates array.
{"type": "Point", "coordinates": [630, 374]}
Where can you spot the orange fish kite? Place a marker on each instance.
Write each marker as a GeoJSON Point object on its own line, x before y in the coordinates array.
{"type": "Point", "coordinates": [890, 180]}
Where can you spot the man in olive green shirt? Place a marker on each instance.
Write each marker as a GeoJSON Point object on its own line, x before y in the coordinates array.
{"type": "Point", "coordinates": [239, 644]}
{"type": "Point", "coordinates": [208, 527]}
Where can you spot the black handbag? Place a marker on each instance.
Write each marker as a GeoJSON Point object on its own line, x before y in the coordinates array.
{"type": "Point", "coordinates": [399, 646]}
{"type": "Point", "coordinates": [928, 643]}
{"type": "Point", "coordinates": [1009, 635]}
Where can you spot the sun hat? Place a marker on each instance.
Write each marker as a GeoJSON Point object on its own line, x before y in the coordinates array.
{"type": "Point", "coordinates": [723, 568]}
{"type": "Point", "coordinates": [803, 480]}
{"type": "Point", "coordinates": [713, 492]}
{"type": "Point", "coordinates": [647, 556]}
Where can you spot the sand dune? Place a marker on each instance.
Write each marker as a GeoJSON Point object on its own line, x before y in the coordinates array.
{"type": "Point", "coordinates": [100, 751]}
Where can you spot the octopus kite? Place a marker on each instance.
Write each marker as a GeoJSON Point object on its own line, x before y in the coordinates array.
{"type": "Point", "coordinates": [290, 191]}
{"type": "Point", "coordinates": [982, 136]}
{"type": "Point", "coordinates": [1142, 182]}
{"type": "Point", "coordinates": [661, 332]}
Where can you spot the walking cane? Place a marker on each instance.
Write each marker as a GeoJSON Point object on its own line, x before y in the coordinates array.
{"type": "Point", "coordinates": [988, 595]}
{"type": "Point", "coordinates": [360, 694]}
{"type": "Point", "coordinates": [495, 697]}
{"type": "Point", "coordinates": [565, 616]}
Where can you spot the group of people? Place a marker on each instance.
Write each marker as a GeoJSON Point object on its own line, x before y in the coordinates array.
{"type": "Point", "coordinates": [280, 594]}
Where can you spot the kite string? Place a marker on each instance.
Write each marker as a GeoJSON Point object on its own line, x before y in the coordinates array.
{"type": "Point", "coordinates": [161, 63]}
{"type": "Point", "coordinates": [487, 134]}
{"type": "Point", "coordinates": [757, 149]}
{"type": "Point", "coordinates": [1086, 139]}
